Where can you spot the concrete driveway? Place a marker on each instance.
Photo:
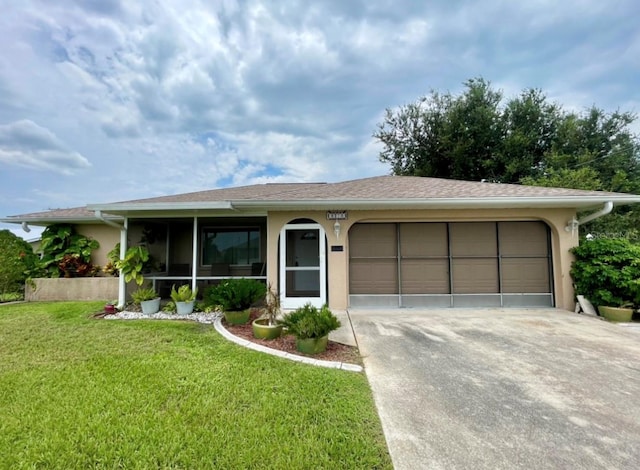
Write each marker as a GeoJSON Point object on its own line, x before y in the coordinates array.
{"type": "Point", "coordinates": [491, 388]}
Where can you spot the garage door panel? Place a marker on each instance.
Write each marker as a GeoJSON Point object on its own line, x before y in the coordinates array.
{"type": "Point", "coordinates": [425, 276]}
{"type": "Point", "coordinates": [373, 240]}
{"type": "Point", "coordinates": [525, 275]}
{"type": "Point", "coordinates": [491, 263]}
{"type": "Point", "coordinates": [475, 276]}
{"type": "Point", "coordinates": [426, 239]}
{"type": "Point", "coordinates": [523, 239]}
{"type": "Point", "coordinates": [473, 239]}
{"type": "Point", "coordinates": [373, 276]}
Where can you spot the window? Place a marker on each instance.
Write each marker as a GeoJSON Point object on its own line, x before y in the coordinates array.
{"type": "Point", "coordinates": [231, 246]}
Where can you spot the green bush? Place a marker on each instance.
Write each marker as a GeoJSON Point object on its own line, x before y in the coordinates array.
{"type": "Point", "coordinates": [16, 260]}
{"type": "Point", "coordinates": [61, 246]}
{"type": "Point", "coordinates": [309, 322]}
{"type": "Point", "coordinates": [607, 271]}
{"type": "Point", "coordinates": [235, 294]}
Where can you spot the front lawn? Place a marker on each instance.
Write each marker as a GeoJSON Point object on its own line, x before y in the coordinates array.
{"type": "Point", "coordinates": [76, 392]}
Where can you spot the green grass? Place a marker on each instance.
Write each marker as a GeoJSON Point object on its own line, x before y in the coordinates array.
{"type": "Point", "coordinates": [77, 392]}
{"type": "Point", "coordinates": [11, 297]}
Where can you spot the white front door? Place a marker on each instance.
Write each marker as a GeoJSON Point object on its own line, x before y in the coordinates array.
{"type": "Point", "coordinates": [303, 275]}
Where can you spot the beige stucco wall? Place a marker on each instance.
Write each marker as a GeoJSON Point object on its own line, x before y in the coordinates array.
{"type": "Point", "coordinates": [106, 235]}
{"type": "Point", "coordinates": [338, 262]}
{"type": "Point", "coordinates": [79, 288]}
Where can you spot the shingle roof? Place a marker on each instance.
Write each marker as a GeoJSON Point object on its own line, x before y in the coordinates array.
{"type": "Point", "coordinates": [74, 213]}
{"type": "Point", "coordinates": [414, 187]}
{"type": "Point", "coordinates": [379, 188]}
{"type": "Point", "coordinates": [253, 192]}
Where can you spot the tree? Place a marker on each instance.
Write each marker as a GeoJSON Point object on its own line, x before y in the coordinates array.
{"type": "Point", "coordinates": [476, 136]}
{"type": "Point", "coordinates": [527, 140]}
{"type": "Point", "coordinates": [16, 259]}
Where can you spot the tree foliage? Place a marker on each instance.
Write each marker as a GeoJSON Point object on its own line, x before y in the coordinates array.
{"type": "Point", "coordinates": [16, 260]}
{"type": "Point", "coordinates": [478, 135]}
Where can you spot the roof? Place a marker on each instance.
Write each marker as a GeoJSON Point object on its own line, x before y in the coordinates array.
{"type": "Point", "coordinates": [391, 192]}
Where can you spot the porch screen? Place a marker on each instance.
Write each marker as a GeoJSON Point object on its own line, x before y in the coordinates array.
{"type": "Point", "coordinates": [231, 246]}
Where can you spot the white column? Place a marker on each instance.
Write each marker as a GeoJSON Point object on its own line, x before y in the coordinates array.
{"type": "Point", "coordinates": [194, 263]}
{"type": "Point", "coordinates": [122, 285]}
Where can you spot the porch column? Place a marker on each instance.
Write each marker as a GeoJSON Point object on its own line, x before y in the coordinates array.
{"type": "Point", "coordinates": [122, 285]}
{"type": "Point", "coordinates": [194, 262]}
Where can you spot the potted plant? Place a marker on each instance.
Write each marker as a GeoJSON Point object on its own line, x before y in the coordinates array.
{"type": "Point", "coordinates": [234, 297]}
{"type": "Point", "coordinates": [311, 327]}
{"type": "Point", "coordinates": [148, 300]}
{"type": "Point", "coordinates": [184, 298]}
{"type": "Point", "coordinates": [607, 272]}
{"type": "Point", "coordinates": [268, 326]}
{"type": "Point", "coordinates": [110, 307]}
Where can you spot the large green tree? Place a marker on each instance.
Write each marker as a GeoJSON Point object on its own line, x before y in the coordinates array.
{"type": "Point", "coordinates": [478, 135]}
{"type": "Point", "coordinates": [16, 259]}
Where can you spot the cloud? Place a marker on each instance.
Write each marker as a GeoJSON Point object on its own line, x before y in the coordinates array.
{"type": "Point", "coordinates": [24, 143]}
{"type": "Point", "coordinates": [177, 96]}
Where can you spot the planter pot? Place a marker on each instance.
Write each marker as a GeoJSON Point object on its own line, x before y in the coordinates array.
{"type": "Point", "coordinates": [184, 308]}
{"type": "Point", "coordinates": [616, 314]}
{"type": "Point", "coordinates": [312, 345]}
{"type": "Point", "coordinates": [262, 329]}
{"type": "Point", "coordinates": [149, 307]}
{"type": "Point", "coordinates": [237, 318]}
{"type": "Point", "coordinates": [109, 309]}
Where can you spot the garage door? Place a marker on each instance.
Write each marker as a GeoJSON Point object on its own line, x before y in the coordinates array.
{"type": "Point", "coordinates": [474, 264]}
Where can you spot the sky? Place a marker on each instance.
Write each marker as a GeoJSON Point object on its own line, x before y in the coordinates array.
{"type": "Point", "coordinates": [111, 100]}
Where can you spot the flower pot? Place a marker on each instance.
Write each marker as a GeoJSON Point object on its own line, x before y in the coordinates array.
{"type": "Point", "coordinates": [149, 307]}
{"type": "Point", "coordinates": [109, 309]}
{"type": "Point", "coordinates": [237, 318]}
{"type": "Point", "coordinates": [184, 308]}
{"type": "Point", "coordinates": [262, 329]}
{"type": "Point", "coordinates": [312, 345]}
{"type": "Point", "coordinates": [616, 314]}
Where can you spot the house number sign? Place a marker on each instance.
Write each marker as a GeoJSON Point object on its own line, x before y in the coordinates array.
{"type": "Point", "coordinates": [336, 215]}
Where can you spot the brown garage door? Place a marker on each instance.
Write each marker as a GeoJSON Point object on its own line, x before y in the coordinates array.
{"type": "Point", "coordinates": [453, 264]}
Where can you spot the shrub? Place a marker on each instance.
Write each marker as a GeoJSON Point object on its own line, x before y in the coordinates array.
{"type": "Point", "coordinates": [309, 322]}
{"type": "Point", "coordinates": [58, 241]}
{"type": "Point", "coordinates": [235, 294]}
{"type": "Point", "coordinates": [16, 260]}
{"type": "Point", "coordinates": [607, 271]}
{"type": "Point", "coordinates": [133, 264]}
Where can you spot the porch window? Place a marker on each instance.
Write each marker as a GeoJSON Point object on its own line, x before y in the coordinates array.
{"type": "Point", "coordinates": [230, 246]}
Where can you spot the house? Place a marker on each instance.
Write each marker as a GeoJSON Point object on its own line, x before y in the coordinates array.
{"type": "Point", "coordinates": [387, 241]}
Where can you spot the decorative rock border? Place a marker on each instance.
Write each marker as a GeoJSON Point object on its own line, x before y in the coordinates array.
{"type": "Point", "coordinates": [216, 320]}
{"type": "Point", "coordinates": [276, 352]}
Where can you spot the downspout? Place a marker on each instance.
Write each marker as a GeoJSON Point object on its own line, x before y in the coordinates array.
{"type": "Point", "coordinates": [122, 285]}
{"type": "Point", "coordinates": [608, 207]}
{"type": "Point", "coordinates": [574, 223]}
{"type": "Point", "coordinates": [100, 217]}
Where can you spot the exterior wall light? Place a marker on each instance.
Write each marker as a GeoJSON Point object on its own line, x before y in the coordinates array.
{"type": "Point", "coordinates": [336, 230]}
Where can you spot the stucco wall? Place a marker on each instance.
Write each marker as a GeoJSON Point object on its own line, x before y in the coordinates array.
{"type": "Point", "coordinates": [338, 262]}
{"type": "Point", "coordinates": [80, 288]}
{"type": "Point", "coordinates": [106, 235]}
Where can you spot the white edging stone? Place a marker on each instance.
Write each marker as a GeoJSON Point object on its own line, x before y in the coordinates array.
{"type": "Point", "coordinates": [275, 352]}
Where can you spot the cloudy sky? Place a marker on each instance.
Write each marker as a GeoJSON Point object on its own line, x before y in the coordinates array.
{"type": "Point", "coordinates": [107, 100]}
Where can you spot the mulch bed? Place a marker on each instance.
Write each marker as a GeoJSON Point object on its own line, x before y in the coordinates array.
{"type": "Point", "coordinates": [335, 351]}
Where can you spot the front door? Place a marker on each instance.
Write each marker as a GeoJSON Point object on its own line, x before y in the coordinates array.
{"type": "Point", "coordinates": [302, 265]}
